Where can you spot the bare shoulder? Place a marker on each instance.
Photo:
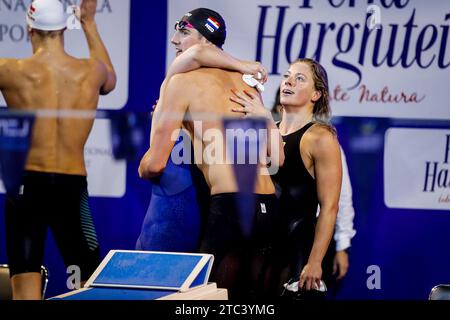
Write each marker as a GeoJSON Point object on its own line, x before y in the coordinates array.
{"type": "Point", "coordinates": [206, 72]}
{"type": "Point", "coordinates": [95, 65]}
{"type": "Point", "coordinates": [213, 77]}
{"type": "Point", "coordinates": [322, 131]}
{"type": "Point", "coordinates": [202, 80]}
{"type": "Point", "coordinates": [8, 64]}
{"type": "Point", "coordinates": [193, 75]}
{"type": "Point", "coordinates": [9, 69]}
{"type": "Point", "coordinates": [321, 136]}
{"type": "Point", "coordinates": [182, 81]}
{"type": "Point", "coordinates": [180, 77]}
{"type": "Point", "coordinates": [92, 68]}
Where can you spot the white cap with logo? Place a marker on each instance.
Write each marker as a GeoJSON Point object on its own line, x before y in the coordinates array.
{"type": "Point", "coordinates": [46, 15]}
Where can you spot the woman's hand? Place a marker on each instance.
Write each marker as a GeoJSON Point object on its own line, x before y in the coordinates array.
{"type": "Point", "coordinates": [251, 104]}
{"type": "Point", "coordinates": [310, 276]}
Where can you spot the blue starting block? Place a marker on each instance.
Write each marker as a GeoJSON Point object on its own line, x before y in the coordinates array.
{"type": "Point", "coordinates": [150, 275]}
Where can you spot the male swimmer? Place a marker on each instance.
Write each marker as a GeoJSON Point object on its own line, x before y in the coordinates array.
{"type": "Point", "coordinates": [54, 184]}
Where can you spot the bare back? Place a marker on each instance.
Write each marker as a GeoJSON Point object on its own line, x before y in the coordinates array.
{"type": "Point", "coordinates": [58, 83]}
{"type": "Point", "coordinates": [209, 103]}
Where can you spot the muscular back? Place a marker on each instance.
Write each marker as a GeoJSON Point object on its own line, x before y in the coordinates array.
{"type": "Point", "coordinates": [210, 91]}
{"type": "Point", "coordinates": [59, 84]}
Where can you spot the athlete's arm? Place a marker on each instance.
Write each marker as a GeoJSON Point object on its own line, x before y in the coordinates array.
{"type": "Point", "coordinates": [167, 121]}
{"type": "Point", "coordinates": [209, 55]}
{"type": "Point", "coordinates": [96, 46]}
{"type": "Point", "coordinates": [325, 152]}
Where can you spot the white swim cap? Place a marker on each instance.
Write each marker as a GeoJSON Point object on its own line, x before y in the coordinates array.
{"type": "Point", "coordinates": [47, 15]}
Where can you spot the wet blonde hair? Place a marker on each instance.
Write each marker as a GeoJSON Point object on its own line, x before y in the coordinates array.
{"type": "Point", "coordinates": [321, 110]}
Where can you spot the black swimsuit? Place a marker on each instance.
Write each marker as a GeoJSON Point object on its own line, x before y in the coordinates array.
{"type": "Point", "coordinates": [57, 201]}
{"type": "Point", "coordinates": [297, 193]}
{"type": "Point", "coordinates": [241, 256]}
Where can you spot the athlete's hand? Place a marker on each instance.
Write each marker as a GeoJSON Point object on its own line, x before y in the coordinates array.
{"type": "Point", "coordinates": [251, 104]}
{"type": "Point", "coordinates": [88, 8]}
{"type": "Point", "coordinates": [256, 69]}
{"type": "Point", "coordinates": [141, 170]}
{"type": "Point", "coordinates": [142, 166]}
{"type": "Point", "coordinates": [310, 276]}
{"type": "Point", "coordinates": [340, 264]}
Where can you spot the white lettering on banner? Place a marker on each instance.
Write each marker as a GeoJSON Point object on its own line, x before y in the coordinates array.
{"type": "Point", "coordinates": [416, 168]}
{"type": "Point", "coordinates": [436, 173]}
{"type": "Point", "coordinates": [397, 68]}
{"type": "Point", "coordinates": [113, 20]}
{"type": "Point", "coordinates": [12, 128]}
